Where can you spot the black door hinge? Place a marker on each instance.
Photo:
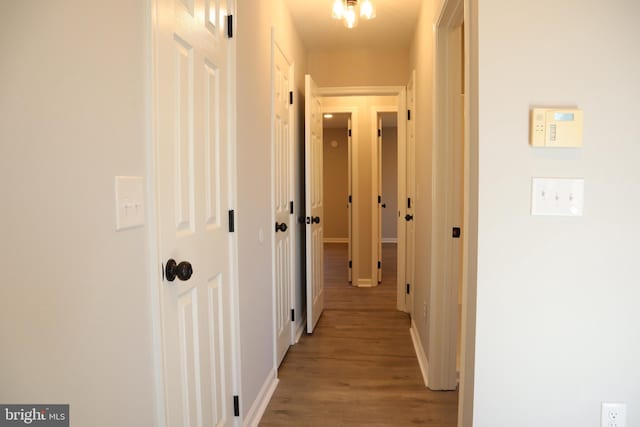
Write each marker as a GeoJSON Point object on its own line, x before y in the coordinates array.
{"type": "Point", "coordinates": [291, 207]}
{"type": "Point", "coordinates": [379, 265]}
{"type": "Point", "coordinates": [293, 315]}
{"type": "Point", "coordinates": [350, 199]}
{"type": "Point", "coordinates": [409, 202]}
{"type": "Point", "coordinates": [232, 221]}
{"type": "Point", "coordinates": [379, 199]}
{"type": "Point", "coordinates": [230, 26]}
{"type": "Point", "coordinates": [408, 114]}
{"type": "Point", "coordinates": [456, 233]}
{"type": "Point", "coordinates": [349, 132]}
{"type": "Point", "coordinates": [350, 264]}
{"type": "Point", "coordinates": [291, 98]}
{"type": "Point", "coordinates": [379, 133]}
{"type": "Point", "coordinates": [408, 289]}
{"type": "Point", "coordinates": [236, 406]}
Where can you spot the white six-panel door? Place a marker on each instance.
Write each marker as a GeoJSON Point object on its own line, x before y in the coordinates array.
{"type": "Point", "coordinates": [314, 203]}
{"type": "Point", "coordinates": [282, 196]}
{"type": "Point", "coordinates": [410, 186]}
{"type": "Point", "coordinates": [191, 83]}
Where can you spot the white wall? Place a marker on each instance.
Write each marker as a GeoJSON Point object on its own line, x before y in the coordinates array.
{"type": "Point", "coordinates": [75, 322]}
{"type": "Point", "coordinates": [255, 20]}
{"type": "Point", "coordinates": [558, 324]}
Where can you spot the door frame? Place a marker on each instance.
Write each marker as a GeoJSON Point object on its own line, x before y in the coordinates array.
{"type": "Point", "coordinates": [154, 261]}
{"type": "Point", "coordinates": [376, 217]}
{"type": "Point", "coordinates": [400, 92]}
{"type": "Point", "coordinates": [451, 14]}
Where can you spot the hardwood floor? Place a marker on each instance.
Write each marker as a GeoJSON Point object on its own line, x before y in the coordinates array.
{"type": "Point", "coordinates": [359, 366]}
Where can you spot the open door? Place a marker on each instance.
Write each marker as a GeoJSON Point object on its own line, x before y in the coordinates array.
{"type": "Point", "coordinates": [379, 207]}
{"type": "Point", "coordinates": [350, 201]}
{"type": "Point", "coordinates": [314, 206]}
{"type": "Point", "coordinates": [410, 191]}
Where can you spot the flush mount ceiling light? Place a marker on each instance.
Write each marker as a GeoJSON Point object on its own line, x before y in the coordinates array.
{"type": "Point", "coordinates": [349, 11]}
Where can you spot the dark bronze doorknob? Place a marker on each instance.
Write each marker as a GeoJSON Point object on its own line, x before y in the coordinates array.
{"type": "Point", "coordinates": [182, 271]}
{"type": "Point", "coordinates": [315, 219]}
{"type": "Point", "coordinates": [408, 217]}
{"type": "Point", "coordinates": [281, 227]}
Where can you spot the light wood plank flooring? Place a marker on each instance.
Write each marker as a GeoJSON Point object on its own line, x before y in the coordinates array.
{"type": "Point", "coordinates": [359, 366]}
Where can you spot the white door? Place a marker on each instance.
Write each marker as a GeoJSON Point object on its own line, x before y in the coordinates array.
{"type": "Point", "coordinates": [282, 197]}
{"type": "Point", "coordinates": [350, 201]}
{"type": "Point", "coordinates": [410, 202]}
{"type": "Point", "coordinates": [379, 208]}
{"type": "Point", "coordinates": [191, 90]}
{"type": "Point", "coordinates": [314, 205]}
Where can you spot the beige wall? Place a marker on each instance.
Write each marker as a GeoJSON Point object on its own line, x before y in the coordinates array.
{"type": "Point", "coordinates": [75, 305]}
{"type": "Point", "coordinates": [365, 67]}
{"type": "Point", "coordinates": [557, 310]}
{"type": "Point", "coordinates": [364, 142]}
{"type": "Point", "coordinates": [255, 22]}
{"type": "Point", "coordinates": [336, 185]}
{"type": "Point", "coordinates": [422, 62]}
{"type": "Point", "coordinates": [390, 182]}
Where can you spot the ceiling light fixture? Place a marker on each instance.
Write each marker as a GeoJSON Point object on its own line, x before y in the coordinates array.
{"type": "Point", "coordinates": [328, 116]}
{"type": "Point", "coordinates": [349, 11]}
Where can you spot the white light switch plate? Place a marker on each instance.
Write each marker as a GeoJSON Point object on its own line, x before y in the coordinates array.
{"type": "Point", "coordinates": [129, 202]}
{"type": "Point", "coordinates": [557, 196]}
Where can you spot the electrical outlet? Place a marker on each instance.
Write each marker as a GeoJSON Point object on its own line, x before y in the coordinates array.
{"type": "Point", "coordinates": [614, 415]}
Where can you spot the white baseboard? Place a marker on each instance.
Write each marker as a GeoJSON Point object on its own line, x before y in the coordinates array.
{"type": "Point", "coordinates": [365, 283]}
{"type": "Point", "coordinates": [300, 328]}
{"type": "Point", "coordinates": [262, 401]}
{"type": "Point", "coordinates": [336, 240]}
{"type": "Point", "coordinates": [422, 358]}
{"type": "Point", "coordinates": [389, 240]}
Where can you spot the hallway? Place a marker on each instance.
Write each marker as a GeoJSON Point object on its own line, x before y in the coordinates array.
{"type": "Point", "coordinates": [359, 367]}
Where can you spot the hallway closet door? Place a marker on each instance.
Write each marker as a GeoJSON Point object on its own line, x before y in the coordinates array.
{"type": "Point", "coordinates": [282, 198]}
{"type": "Point", "coordinates": [314, 203]}
{"type": "Point", "coordinates": [193, 178]}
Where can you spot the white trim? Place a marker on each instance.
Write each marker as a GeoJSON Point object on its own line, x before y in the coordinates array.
{"type": "Point", "coordinates": [336, 240]}
{"type": "Point", "coordinates": [389, 240]}
{"type": "Point", "coordinates": [420, 354]}
{"type": "Point", "coordinates": [366, 283]}
{"type": "Point", "coordinates": [262, 401]}
{"type": "Point", "coordinates": [299, 328]}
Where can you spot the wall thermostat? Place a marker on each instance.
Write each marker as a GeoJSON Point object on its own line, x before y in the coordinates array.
{"type": "Point", "coordinates": [556, 127]}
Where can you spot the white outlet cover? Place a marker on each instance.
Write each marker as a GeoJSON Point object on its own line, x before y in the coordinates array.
{"type": "Point", "coordinates": [613, 415]}
{"type": "Point", "coordinates": [557, 196]}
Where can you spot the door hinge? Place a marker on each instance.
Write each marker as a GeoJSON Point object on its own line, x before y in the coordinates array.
{"type": "Point", "coordinates": [408, 288]}
{"type": "Point", "coordinates": [379, 199]}
{"type": "Point", "coordinates": [409, 202]}
{"type": "Point", "coordinates": [230, 26]}
{"type": "Point", "coordinates": [291, 207]}
{"type": "Point", "coordinates": [408, 114]}
{"type": "Point", "coordinates": [291, 98]}
{"type": "Point", "coordinates": [379, 133]}
{"type": "Point", "coordinates": [350, 198]}
{"type": "Point", "coordinates": [293, 315]}
{"type": "Point", "coordinates": [456, 232]}
{"type": "Point", "coordinates": [232, 221]}
{"type": "Point", "coordinates": [379, 265]}
{"type": "Point", "coordinates": [350, 264]}
{"type": "Point", "coordinates": [236, 406]}
{"type": "Point", "coordinates": [349, 132]}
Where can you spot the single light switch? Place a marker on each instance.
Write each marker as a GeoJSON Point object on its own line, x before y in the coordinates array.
{"type": "Point", "coordinates": [129, 202]}
{"type": "Point", "coordinates": [557, 196]}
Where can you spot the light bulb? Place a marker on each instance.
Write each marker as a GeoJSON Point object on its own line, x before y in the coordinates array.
{"type": "Point", "coordinates": [338, 9]}
{"type": "Point", "coordinates": [367, 11]}
{"type": "Point", "coordinates": [350, 17]}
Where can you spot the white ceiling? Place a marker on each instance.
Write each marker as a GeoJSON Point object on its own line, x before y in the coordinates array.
{"type": "Point", "coordinates": [393, 27]}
